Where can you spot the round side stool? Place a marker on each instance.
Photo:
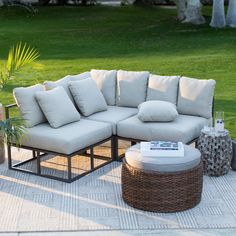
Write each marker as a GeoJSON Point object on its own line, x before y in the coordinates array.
{"type": "Point", "coordinates": [162, 184]}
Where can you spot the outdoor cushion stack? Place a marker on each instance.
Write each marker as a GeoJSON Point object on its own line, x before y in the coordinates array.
{"type": "Point", "coordinates": [80, 110]}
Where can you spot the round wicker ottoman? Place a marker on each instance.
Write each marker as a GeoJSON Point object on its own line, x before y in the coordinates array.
{"type": "Point", "coordinates": [162, 184]}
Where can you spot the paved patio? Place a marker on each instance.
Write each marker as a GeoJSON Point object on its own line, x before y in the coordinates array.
{"type": "Point", "coordinates": [31, 205]}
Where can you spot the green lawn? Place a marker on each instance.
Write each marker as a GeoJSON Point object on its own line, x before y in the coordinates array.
{"type": "Point", "coordinates": [73, 40]}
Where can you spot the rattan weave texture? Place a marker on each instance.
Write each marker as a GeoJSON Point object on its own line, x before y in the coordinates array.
{"type": "Point", "coordinates": [162, 192]}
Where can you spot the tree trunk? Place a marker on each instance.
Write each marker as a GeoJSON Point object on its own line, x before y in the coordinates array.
{"type": "Point", "coordinates": [1, 3]}
{"type": "Point", "coordinates": [193, 13]}
{"type": "Point", "coordinates": [181, 8]}
{"type": "Point", "coordinates": [218, 14]}
{"type": "Point", "coordinates": [231, 14]}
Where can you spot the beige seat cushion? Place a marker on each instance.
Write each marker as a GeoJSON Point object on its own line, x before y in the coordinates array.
{"type": "Point", "coordinates": [184, 128]}
{"type": "Point", "coordinates": [113, 115]}
{"type": "Point", "coordinates": [192, 158]}
{"type": "Point", "coordinates": [68, 138]}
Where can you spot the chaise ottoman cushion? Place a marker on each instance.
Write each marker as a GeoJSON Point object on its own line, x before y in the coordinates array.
{"type": "Point", "coordinates": [67, 139]}
{"type": "Point", "coordinates": [184, 128]}
{"type": "Point", "coordinates": [113, 115]}
{"type": "Point", "coordinates": [191, 158]}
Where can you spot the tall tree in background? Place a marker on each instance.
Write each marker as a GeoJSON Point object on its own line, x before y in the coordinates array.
{"type": "Point", "coordinates": [231, 14]}
{"type": "Point", "coordinates": [218, 14]}
{"type": "Point", "coordinates": [190, 11]}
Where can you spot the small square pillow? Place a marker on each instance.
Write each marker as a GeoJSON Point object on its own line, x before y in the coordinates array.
{"type": "Point", "coordinates": [157, 111]}
{"type": "Point", "coordinates": [106, 82]}
{"type": "Point", "coordinates": [164, 88]}
{"type": "Point", "coordinates": [196, 97]}
{"type": "Point", "coordinates": [87, 96]}
{"type": "Point", "coordinates": [57, 107]}
{"type": "Point", "coordinates": [28, 106]}
{"type": "Point", "coordinates": [64, 82]}
{"type": "Point", "coordinates": [131, 88]}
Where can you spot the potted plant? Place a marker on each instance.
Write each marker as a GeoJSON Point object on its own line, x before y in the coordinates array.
{"type": "Point", "coordinates": [11, 131]}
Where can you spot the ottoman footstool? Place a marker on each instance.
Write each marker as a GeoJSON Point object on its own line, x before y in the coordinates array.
{"type": "Point", "coordinates": [162, 184]}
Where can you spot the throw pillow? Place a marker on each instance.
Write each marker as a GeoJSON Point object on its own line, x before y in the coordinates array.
{"type": "Point", "coordinates": [131, 88]}
{"type": "Point", "coordinates": [157, 111]}
{"type": "Point", "coordinates": [106, 81]}
{"type": "Point", "coordinates": [57, 107]}
{"type": "Point", "coordinates": [196, 97]}
{"type": "Point", "coordinates": [87, 96]}
{"type": "Point", "coordinates": [164, 88]}
{"type": "Point", "coordinates": [28, 106]}
{"type": "Point", "coordinates": [64, 82]}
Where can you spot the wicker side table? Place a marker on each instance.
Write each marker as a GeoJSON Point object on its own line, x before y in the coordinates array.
{"type": "Point", "coordinates": [216, 150]}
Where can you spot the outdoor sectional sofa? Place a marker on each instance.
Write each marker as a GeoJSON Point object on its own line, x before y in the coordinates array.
{"type": "Point", "coordinates": [79, 112]}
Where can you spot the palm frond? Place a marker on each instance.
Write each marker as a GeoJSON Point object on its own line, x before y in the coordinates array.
{"type": "Point", "coordinates": [12, 130]}
{"type": "Point", "coordinates": [18, 56]}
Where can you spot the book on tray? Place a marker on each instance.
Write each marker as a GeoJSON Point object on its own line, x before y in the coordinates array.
{"type": "Point", "coordinates": [162, 149]}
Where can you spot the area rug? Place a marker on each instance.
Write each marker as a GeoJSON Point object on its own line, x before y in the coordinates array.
{"type": "Point", "coordinates": [32, 203]}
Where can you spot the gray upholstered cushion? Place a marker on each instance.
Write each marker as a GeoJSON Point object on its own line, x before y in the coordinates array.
{"type": "Point", "coordinates": [184, 129]}
{"type": "Point", "coordinates": [29, 108]}
{"type": "Point", "coordinates": [57, 107]}
{"type": "Point", "coordinates": [192, 158]}
{"type": "Point", "coordinates": [157, 111]}
{"type": "Point", "coordinates": [131, 88]}
{"type": "Point", "coordinates": [64, 82]}
{"type": "Point", "coordinates": [196, 97]}
{"type": "Point", "coordinates": [49, 85]}
{"type": "Point", "coordinates": [113, 115]}
{"type": "Point", "coordinates": [68, 138]}
{"type": "Point", "coordinates": [106, 81]}
{"type": "Point", "coordinates": [163, 88]}
{"type": "Point", "coordinates": [80, 76]}
{"type": "Point", "coordinates": [87, 96]}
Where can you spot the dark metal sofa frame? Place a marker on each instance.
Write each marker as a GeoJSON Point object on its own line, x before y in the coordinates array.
{"type": "Point", "coordinates": [37, 154]}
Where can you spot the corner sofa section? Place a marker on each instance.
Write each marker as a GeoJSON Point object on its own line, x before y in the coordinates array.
{"type": "Point", "coordinates": [123, 93]}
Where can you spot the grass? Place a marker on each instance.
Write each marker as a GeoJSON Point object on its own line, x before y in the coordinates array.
{"type": "Point", "coordinates": [72, 40]}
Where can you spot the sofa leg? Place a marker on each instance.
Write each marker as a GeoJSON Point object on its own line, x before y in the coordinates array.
{"type": "Point", "coordinates": [114, 148]}
{"type": "Point", "coordinates": [9, 156]}
{"type": "Point", "coordinates": [69, 168]}
{"type": "Point", "coordinates": [91, 159]}
{"type": "Point", "coordinates": [133, 143]}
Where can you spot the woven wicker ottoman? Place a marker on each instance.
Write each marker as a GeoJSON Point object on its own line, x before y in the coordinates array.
{"type": "Point", "coordinates": [162, 184]}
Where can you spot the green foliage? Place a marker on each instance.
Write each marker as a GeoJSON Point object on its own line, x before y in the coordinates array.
{"type": "Point", "coordinates": [72, 40]}
{"type": "Point", "coordinates": [12, 130]}
{"type": "Point", "coordinates": [18, 56]}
